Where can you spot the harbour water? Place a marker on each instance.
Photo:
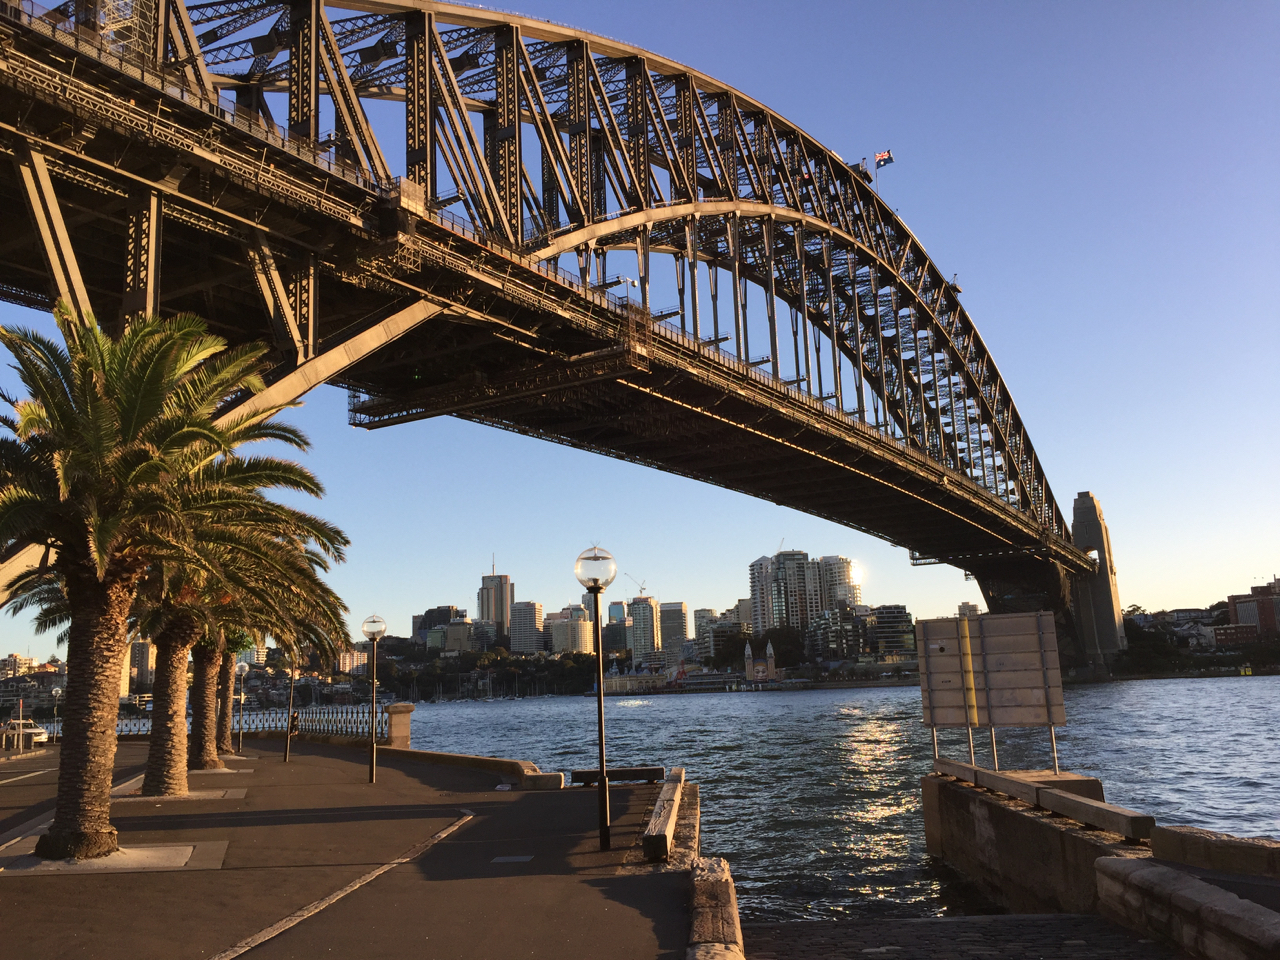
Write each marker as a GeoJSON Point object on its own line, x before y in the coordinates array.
{"type": "Point", "coordinates": [814, 796]}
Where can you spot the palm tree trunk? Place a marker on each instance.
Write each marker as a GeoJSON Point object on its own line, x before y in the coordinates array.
{"type": "Point", "coordinates": [167, 757]}
{"type": "Point", "coordinates": [202, 752]}
{"type": "Point", "coordinates": [96, 643]}
{"type": "Point", "coordinates": [226, 690]}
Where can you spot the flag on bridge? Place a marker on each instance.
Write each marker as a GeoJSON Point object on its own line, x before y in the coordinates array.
{"type": "Point", "coordinates": [884, 159]}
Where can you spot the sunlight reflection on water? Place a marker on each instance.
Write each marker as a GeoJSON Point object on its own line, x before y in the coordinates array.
{"type": "Point", "coordinates": [814, 796]}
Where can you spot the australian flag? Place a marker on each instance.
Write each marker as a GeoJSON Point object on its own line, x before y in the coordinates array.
{"type": "Point", "coordinates": [884, 159]}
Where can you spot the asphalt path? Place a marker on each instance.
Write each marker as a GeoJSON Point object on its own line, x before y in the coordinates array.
{"type": "Point", "coordinates": [310, 828]}
{"type": "Point", "coordinates": [28, 787]}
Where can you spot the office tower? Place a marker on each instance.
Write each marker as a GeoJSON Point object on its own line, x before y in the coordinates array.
{"type": "Point", "coordinates": [494, 599]}
{"type": "Point", "coordinates": [526, 627]}
{"type": "Point", "coordinates": [572, 630]}
{"type": "Point", "coordinates": [457, 635]}
{"type": "Point", "coordinates": [484, 635]}
{"type": "Point", "coordinates": [702, 620]}
{"type": "Point", "coordinates": [617, 611]}
{"type": "Point", "coordinates": [615, 633]}
{"type": "Point", "coordinates": [675, 625]}
{"type": "Point", "coordinates": [893, 630]}
{"type": "Point", "coordinates": [968, 610]}
{"type": "Point", "coordinates": [839, 582]}
{"type": "Point", "coordinates": [435, 617]}
{"type": "Point", "coordinates": [644, 637]}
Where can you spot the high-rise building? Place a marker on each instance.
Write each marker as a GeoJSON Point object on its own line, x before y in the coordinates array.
{"type": "Point", "coordinates": [142, 666]}
{"type": "Point", "coordinates": [255, 656]}
{"type": "Point", "coordinates": [484, 634]}
{"type": "Point", "coordinates": [968, 610]}
{"type": "Point", "coordinates": [761, 575]}
{"type": "Point", "coordinates": [615, 633]}
{"type": "Point", "coordinates": [494, 600]}
{"type": "Point", "coordinates": [617, 610]}
{"type": "Point", "coordinates": [644, 637]}
{"type": "Point", "coordinates": [839, 582]}
{"type": "Point", "coordinates": [435, 617]}
{"type": "Point", "coordinates": [457, 634]}
{"type": "Point", "coordinates": [702, 620]}
{"type": "Point", "coordinates": [795, 589]}
{"type": "Point", "coordinates": [572, 630]}
{"type": "Point", "coordinates": [675, 625]}
{"type": "Point", "coordinates": [526, 627]}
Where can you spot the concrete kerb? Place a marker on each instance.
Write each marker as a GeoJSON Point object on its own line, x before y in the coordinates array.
{"type": "Point", "coordinates": [716, 931]}
{"type": "Point", "coordinates": [1252, 856]}
{"type": "Point", "coordinates": [1204, 920]}
{"type": "Point", "coordinates": [520, 774]}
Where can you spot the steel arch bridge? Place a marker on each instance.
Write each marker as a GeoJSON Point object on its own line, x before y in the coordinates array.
{"type": "Point", "coordinates": [234, 159]}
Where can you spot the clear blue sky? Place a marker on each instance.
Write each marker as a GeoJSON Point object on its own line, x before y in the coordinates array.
{"type": "Point", "coordinates": [1101, 176]}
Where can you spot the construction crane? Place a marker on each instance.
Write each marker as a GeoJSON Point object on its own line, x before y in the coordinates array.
{"type": "Point", "coordinates": [638, 583]}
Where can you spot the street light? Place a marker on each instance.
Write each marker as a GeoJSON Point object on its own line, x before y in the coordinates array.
{"type": "Point", "coordinates": [242, 668]}
{"type": "Point", "coordinates": [57, 695]}
{"type": "Point", "coordinates": [595, 570]}
{"type": "Point", "coordinates": [373, 628]}
{"type": "Point", "coordinates": [288, 720]}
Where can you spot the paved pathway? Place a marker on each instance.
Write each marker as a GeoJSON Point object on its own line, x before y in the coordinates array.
{"type": "Point", "coordinates": [1005, 937]}
{"type": "Point", "coordinates": [521, 878]}
{"type": "Point", "coordinates": [29, 785]}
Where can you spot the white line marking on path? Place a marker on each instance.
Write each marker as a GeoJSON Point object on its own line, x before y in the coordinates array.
{"type": "Point", "coordinates": [34, 773]}
{"type": "Point", "coordinates": [311, 909]}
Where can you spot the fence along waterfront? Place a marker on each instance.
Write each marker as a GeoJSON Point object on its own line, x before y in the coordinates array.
{"type": "Point", "coordinates": [334, 721]}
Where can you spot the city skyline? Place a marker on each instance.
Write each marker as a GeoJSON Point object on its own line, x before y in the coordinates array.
{"type": "Point", "coordinates": [1071, 197]}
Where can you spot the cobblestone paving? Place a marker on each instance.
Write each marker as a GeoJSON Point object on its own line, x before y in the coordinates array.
{"type": "Point", "coordinates": [1006, 937]}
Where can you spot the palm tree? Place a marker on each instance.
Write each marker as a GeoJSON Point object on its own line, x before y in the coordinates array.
{"type": "Point", "coordinates": [94, 465]}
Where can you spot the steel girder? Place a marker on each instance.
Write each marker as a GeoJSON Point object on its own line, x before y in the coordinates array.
{"type": "Point", "coordinates": [628, 150]}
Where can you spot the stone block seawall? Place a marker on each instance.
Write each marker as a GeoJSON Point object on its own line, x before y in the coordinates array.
{"type": "Point", "coordinates": [1027, 859]}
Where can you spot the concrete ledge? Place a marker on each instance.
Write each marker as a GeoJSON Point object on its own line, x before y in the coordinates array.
{"type": "Point", "coordinates": [543, 781]}
{"type": "Point", "coordinates": [1014, 782]}
{"type": "Point", "coordinates": [1105, 816]}
{"type": "Point", "coordinates": [23, 755]}
{"type": "Point", "coordinates": [1199, 918]}
{"type": "Point", "coordinates": [1021, 856]}
{"type": "Point", "coordinates": [716, 932]}
{"type": "Point", "coordinates": [658, 838]}
{"type": "Point", "coordinates": [1252, 856]}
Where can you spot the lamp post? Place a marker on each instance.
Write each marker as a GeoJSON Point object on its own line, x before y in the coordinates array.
{"type": "Point", "coordinates": [288, 720]}
{"type": "Point", "coordinates": [373, 628]}
{"type": "Point", "coordinates": [57, 695]}
{"type": "Point", "coordinates": [242, 668]}
{"type": "Point", "coordinates": [595, 570]}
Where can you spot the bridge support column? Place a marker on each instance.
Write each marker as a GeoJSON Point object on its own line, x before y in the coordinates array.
{"type": "Point", "coordinates": [1096, 600]}
{"type": "Point", "coordinates": [419, 114]}
{"type": "Point", "coordinates": [770, 301]}
{"type": "Point", "coordinates": [142, 257]}
{"type": "Point", "coordinates": [304, 62]}
{"type": "Point", "coordinates": [691, 245]}
{"type": "Point", "coordinates": [1028, 584]}
{"type": "Point", "coordinates": [735, 262]}
{"type": "Point", "coordinates": [642, 264]}
{"type": "Point", "coordinates": [47, 215]}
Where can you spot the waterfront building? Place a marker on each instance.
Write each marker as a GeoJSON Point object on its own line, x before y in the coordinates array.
{"type": "Point", "coordinates": [892, 632]}
{"type": "Point", "coordinates": [141, 672]}
{"type": "Point", "coordinates": [839, 582]}
{"type": "Point", "coordinates": [759, 669]}
{"type": "Point", "coordinates": [526, 627]}
{"type": "Point", "coordinates": [675, 625]}
{"type": "Point", "coordinates": [839, 634]}
{"type": "Point", "coordinates": [702, 620]}
{"type": "Point", "coordinates": [786, 590]}
{"type": "Point", "coordinates": [1259, 608]}
{"type": "Point", "coordinates": [494, 601]}
{"type": "Point", "coordinates": [644, 636]}
{"type": "Point", "coordinates": [1234, 633]}
{"type": "Point", "coordinates": [721, 631]}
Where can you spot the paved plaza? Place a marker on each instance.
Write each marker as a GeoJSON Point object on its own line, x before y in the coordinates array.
{"type": "Point", "coordinates": [452, 867]}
